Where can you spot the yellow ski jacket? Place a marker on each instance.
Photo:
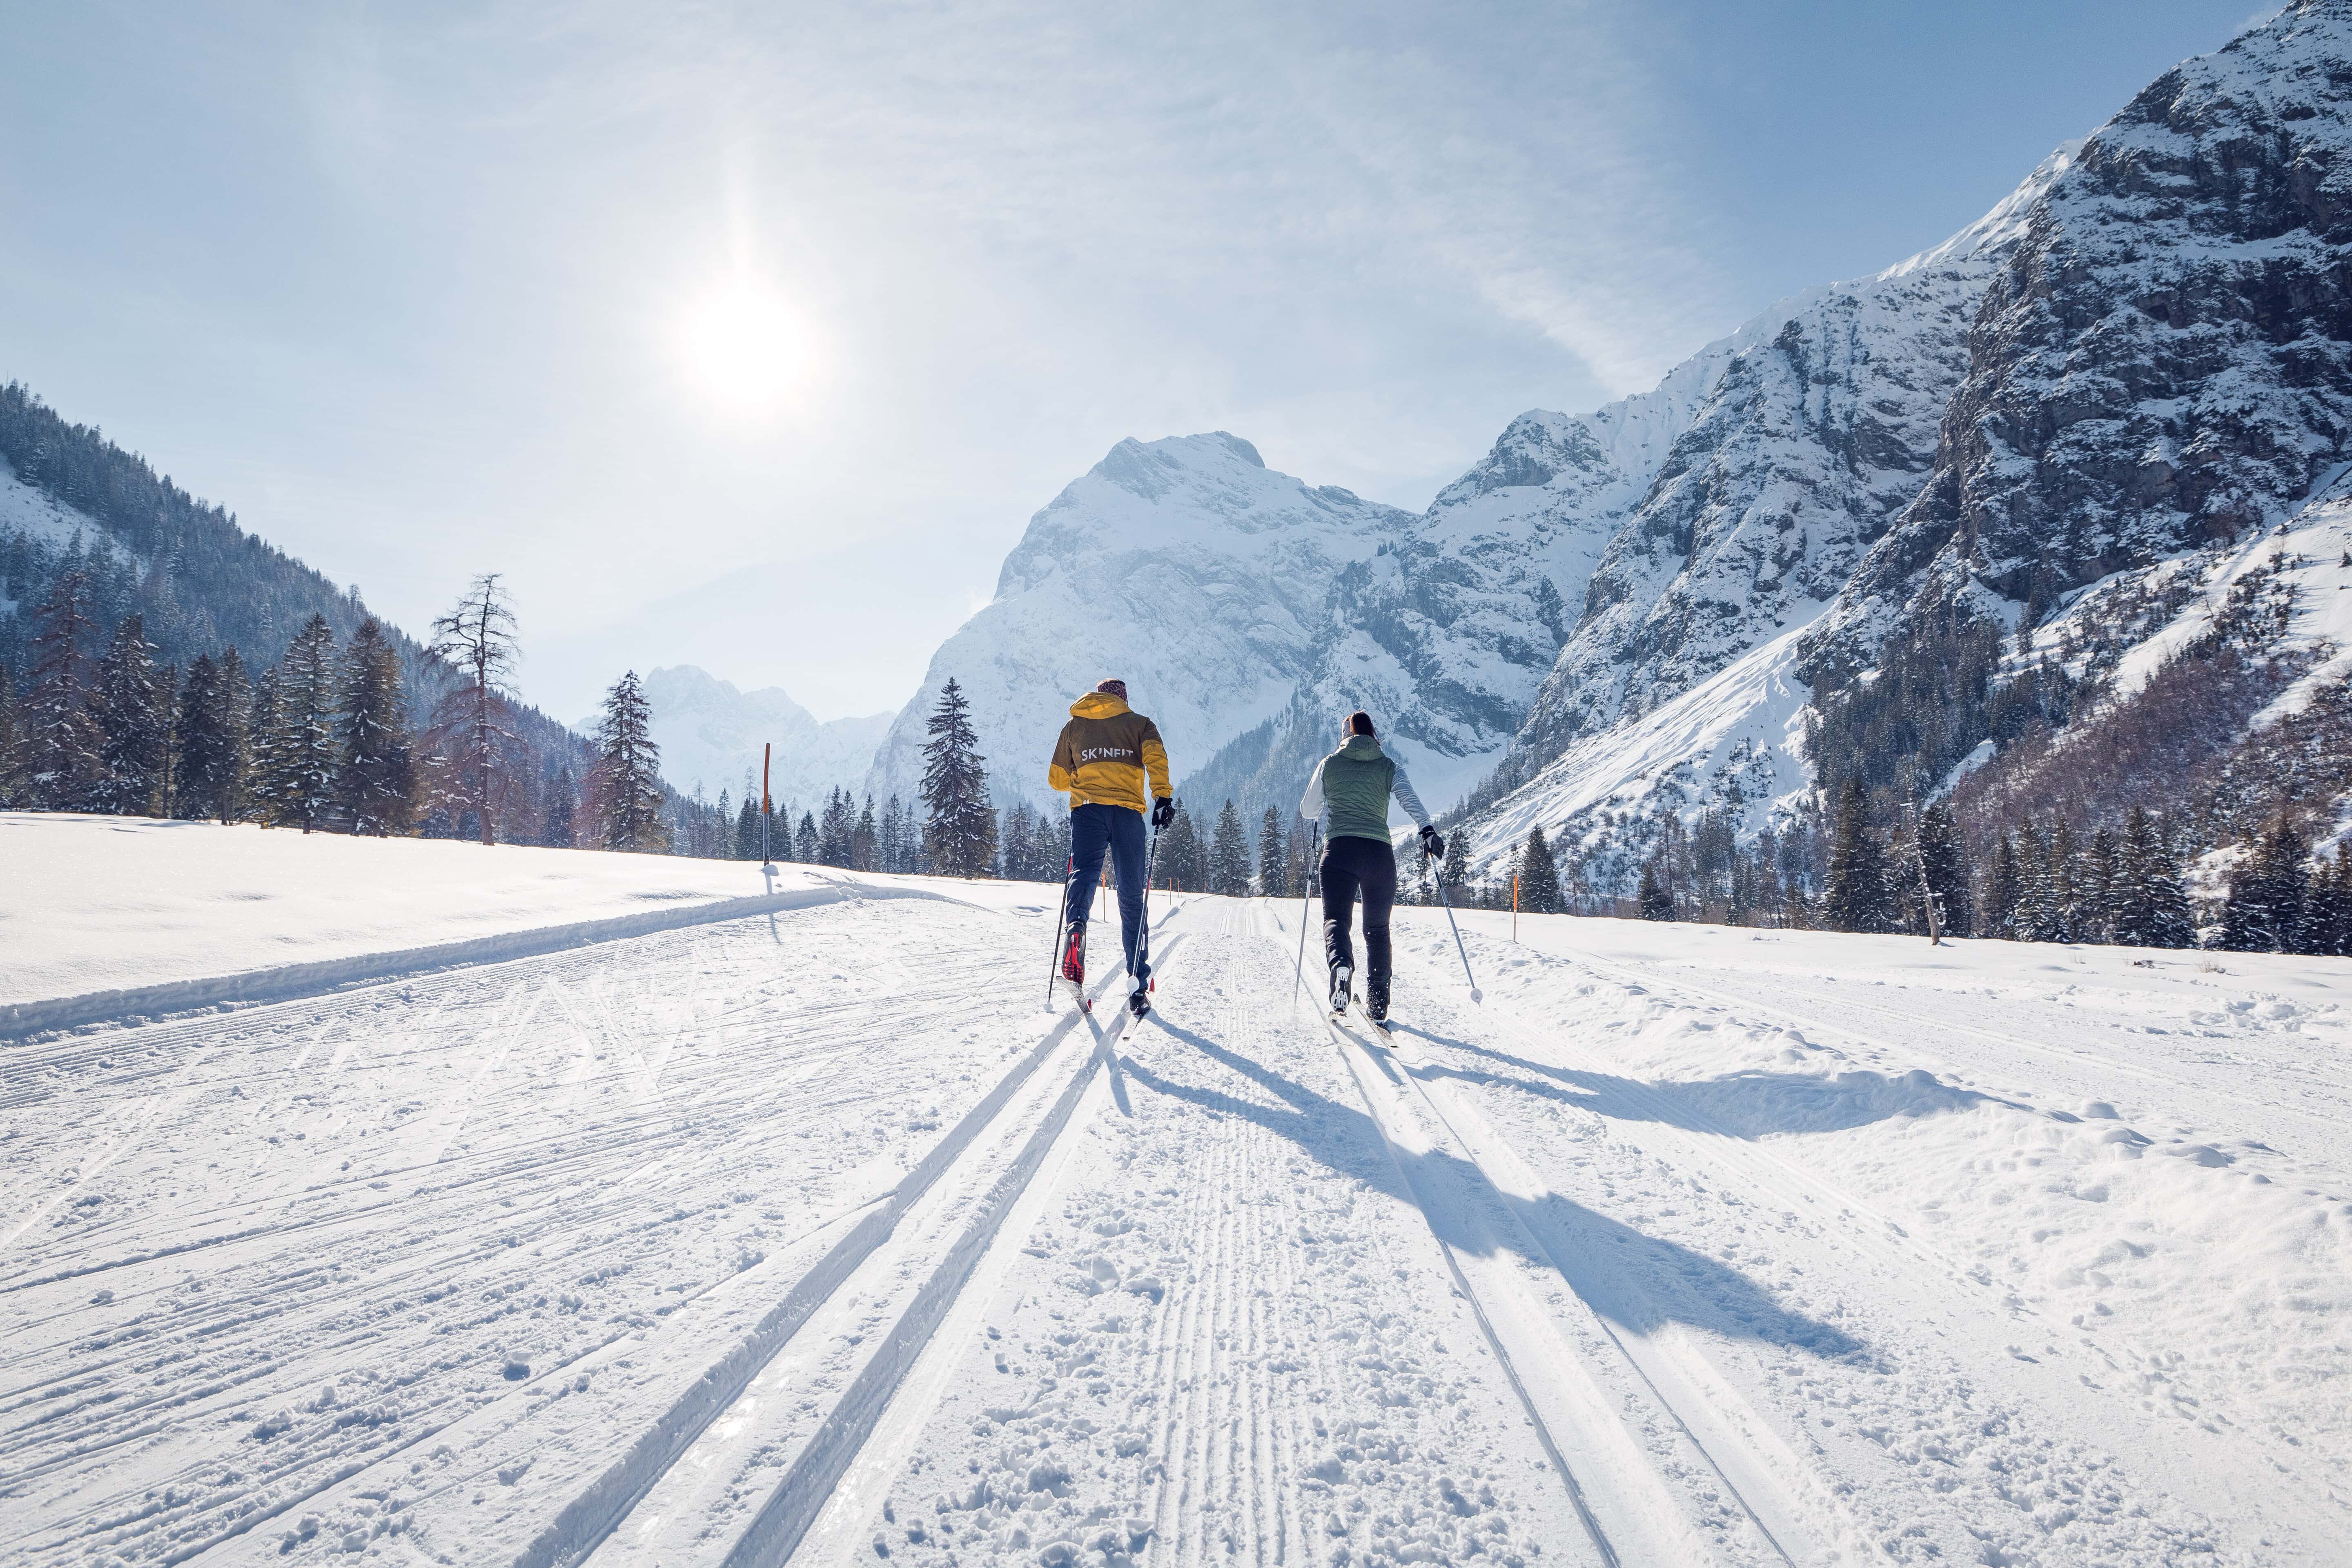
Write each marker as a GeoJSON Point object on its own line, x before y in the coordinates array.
{"type": "Point", "coordinates": [1105, 755]}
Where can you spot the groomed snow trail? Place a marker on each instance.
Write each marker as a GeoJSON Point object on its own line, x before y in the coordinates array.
{"type": "Point", "coordinates": [815, 1240]}
{"type": "Point", "coordinates": [417, 1263]}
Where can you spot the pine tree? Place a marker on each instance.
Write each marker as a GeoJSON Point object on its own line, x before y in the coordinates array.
{"type": "Point", "coordinates": [2068, 885]}
{"type": "Point", "coordinates": [1229, 855]}
{"type": "Point", "coordinates": [1183, 862]}
{"type": "Point", "coordinates": [959, 825]}
{"type": "Point", "coordinates": [1654, 902]}
{"type": "Point", "coordinates": [559, 824]}
{"type": "Point", "coordinates": [2102, 889]}
{"type": "Point", "coordinates": [2264, 909]}
{"type": "Point", "coordinates": [477, 641]}
{"type": "Point", "coordinates": [2004, 890]}
{"type": "Point", "coordinates": [264, 730]}
{"type": "Point", "coordinates": [374, 780]}
{"type": "Point", "coordinates": [2137, 859]}
{"type": "Point", "coordinates": [2040, 909]}
{"type": "Point", "coordinates": [746, 830]}
{"type": "Point", "coordinates": [835, 831]}
{"type": "Point", "coordinates": [8, 748]}
{"type": "Point", "coordinates": [2327, 911]}
{"type": "Point", "coordinates": [866, 840]}
{"type": "Point", "coordinates": [1273, 856]}
{"type": "Point", "coordinates": [893, 837]}
{"type": "Point", "coordinates": [1538, 873]}
{"type": "Point", "coordinates": [1945, 861]}
{"type": "Point", "coordinates": [201, 743]}
{"type": "Point", "coordinates": [1855, 897]}
{"type": "Point", "coordinates": [1053, 863]}
{"type": "Point", "coordinates": [134, 714]}
{"type": "Point", "coordinates": [626, 785]}
{"type": "Point", "coordinates": [805, 843]}
{"type": "Point", "coordinates": [302, 753]}
{"type": "Point", "coordinates": [61, 741]}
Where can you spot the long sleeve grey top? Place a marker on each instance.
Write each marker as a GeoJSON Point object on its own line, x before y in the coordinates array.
{"type": "Point", "coordinates": [1350, 791]}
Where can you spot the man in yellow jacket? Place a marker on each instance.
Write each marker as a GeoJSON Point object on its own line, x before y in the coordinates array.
{"type": "Point", "coordinates": [1107, 757]}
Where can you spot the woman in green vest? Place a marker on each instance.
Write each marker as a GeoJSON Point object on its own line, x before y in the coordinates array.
{"type": "Point", "coordinates": [1349, 796]}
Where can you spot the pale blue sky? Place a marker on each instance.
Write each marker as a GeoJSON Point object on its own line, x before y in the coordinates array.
{"type": "Point", "coordinates": [421, 291]}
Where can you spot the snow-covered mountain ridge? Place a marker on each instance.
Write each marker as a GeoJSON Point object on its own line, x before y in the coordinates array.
{"type": "Point", "coordinates": [2143, 351]}
{"type": "Point", "coordinates": [2145, 354]}
{"type": "Point", "coordinates": [710, 734]}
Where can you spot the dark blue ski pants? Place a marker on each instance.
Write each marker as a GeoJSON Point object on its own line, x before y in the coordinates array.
{"type": "Point", "coordinates": [1094, 829]}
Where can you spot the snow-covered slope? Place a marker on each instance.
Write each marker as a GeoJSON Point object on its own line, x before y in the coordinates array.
{"type": "Point", "coordinates": [710, 734]}
{"type": "Point", "coordinates": [1183, 566]}
{"type": "Point", "coordinates": [810, 1237]}
{"type": "Point", "coordinates": [2143, 351]}
{"type": "Point", "coordinates": [1813, 432]}
{"type": "Point", "coordinates": [2166, 359]}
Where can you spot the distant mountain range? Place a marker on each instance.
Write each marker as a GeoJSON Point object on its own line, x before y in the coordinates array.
{"type": "Point", "coordinates": [712, 734]}
{"type": "Point", "coordinates": [2036, 458]}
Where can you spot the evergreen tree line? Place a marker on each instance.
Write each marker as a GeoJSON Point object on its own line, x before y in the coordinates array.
{"type": "Point", "coordinates": [324, 739]}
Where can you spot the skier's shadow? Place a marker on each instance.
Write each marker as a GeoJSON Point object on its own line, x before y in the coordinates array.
{"type": "Point", "coordinates": [1738, 1105]}
{"type": "Point", "coordinates": [1640, 1283]}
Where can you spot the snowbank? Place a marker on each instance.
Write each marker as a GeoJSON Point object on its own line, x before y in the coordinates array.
{"type": "Point", "coordinates": [103, 915]}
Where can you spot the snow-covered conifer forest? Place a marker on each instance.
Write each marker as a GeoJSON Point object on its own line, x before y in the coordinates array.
{"type": "Point", "coordinates": [1868, 1084]}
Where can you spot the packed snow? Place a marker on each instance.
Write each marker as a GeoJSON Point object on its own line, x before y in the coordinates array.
{"type": "Point", "coordinates": [814, 1235]}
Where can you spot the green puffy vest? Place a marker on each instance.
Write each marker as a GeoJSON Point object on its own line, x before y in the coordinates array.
{"type": "Point", "coordinates": [1356, 780]}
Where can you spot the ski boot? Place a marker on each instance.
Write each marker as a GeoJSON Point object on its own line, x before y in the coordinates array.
{"type": "Point", "coordinates": [1138, 1001]}
{"type": "Point", "coordinates": [1376, 1006]}
{"type": "Point", "coordinates": [1340, 989]}
{"type": "Point", "coordinates": [1074, 956]}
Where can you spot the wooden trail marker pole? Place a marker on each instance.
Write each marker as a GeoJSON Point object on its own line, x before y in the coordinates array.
{"type": "Point", "coordinates": [767, 811]}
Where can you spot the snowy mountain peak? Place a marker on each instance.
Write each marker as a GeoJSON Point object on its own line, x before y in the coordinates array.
{"type": "Point", "coordinates": [712, 731]}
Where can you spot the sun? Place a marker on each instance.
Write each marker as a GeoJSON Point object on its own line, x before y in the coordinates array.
{"type": "Point", "coordinates": [746, 348]}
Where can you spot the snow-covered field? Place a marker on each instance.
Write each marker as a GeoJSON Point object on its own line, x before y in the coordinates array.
{"type": "Point", "coordinates": [811, 1235]}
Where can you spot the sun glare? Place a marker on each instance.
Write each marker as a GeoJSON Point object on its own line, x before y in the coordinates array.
{"type": "Point", "coordinates": [746, 349]}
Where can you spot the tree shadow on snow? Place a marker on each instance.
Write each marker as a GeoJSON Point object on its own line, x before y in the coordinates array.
{"type": "Point", "coordinates": [1737, 1105]}
{"type": "Point", "coordinates": [1639, 1283]}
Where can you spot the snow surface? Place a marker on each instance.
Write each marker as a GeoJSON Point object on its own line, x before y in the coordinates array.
{"type": "Point", "coordinates": [107, 903]}
{"type": "Point", "coordinates": [812, 1237]}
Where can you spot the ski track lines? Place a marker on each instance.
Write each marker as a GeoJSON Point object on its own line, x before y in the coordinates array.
{"type": "Point", "coordinates": [508, 1202]}
{"type": "Point", "coordinates": [2113, 1351]}
{"type": "Point", "coordinates": [811, 1395]}
{"type": "Point", "coordinates": [1912, 1287]}
{"type": "Point", "coordinates": [1224, 1338]}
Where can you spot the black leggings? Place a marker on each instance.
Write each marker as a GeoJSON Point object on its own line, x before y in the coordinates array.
{"type": "Point", "coordinates": [1349, 866]}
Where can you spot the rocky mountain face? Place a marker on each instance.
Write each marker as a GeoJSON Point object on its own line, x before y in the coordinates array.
{"type": "Point", "coordinates": [2162, 362]}
{"type": "Point", "coordinates": [1816, 427]}
{"type": "Point", "coordinates": [2142, 354]}
{"type": "Point", "coordinates": [710, 734]}
{"type": "Point", "coordinates": [2141, 357]}
{"type": "Point", "coordinates": [1185, 567]}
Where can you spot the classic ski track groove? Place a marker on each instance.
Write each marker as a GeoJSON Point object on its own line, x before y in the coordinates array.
{"type": "Point", "coordinates": [826, 1452]}
{"type": "Point", "coordinates": [505, 997]}
{"type": "Point", "coordinates": [1736, 1160]}
{"type": "Point", "coordinates": [1517, 1370]}
{"type": "Point", "coordinates": [1822, 1024]}
{"type": "Point", "coordinates": [1655, 1365]}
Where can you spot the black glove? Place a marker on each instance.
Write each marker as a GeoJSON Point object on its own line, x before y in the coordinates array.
{"type": "Point", "coordinates": [1163, 812]}
{"type": "Point", "coordinates": [1432, 844]}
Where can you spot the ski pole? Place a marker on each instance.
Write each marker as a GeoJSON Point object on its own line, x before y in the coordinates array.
{"type": "Point", "coordinates": [1061, 923]}
{"type": "Point", "coordinates": [1305, 894]}
{"type": "Point", "coordinates": [1143, 936]}
{"type": "Point", "coordinates": [1475, 994]}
